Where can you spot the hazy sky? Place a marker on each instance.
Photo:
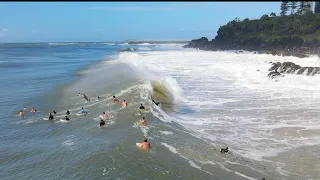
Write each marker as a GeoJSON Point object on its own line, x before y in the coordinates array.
{"type": "Point", "coordinates": [118, 21]}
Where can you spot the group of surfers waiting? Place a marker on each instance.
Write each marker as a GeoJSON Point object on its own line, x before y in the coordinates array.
{"type": "Point", "coordinates": [145, 144]}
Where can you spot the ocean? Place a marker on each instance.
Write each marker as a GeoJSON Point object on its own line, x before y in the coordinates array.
{"type": "Point", "coordinates": [217, 99]}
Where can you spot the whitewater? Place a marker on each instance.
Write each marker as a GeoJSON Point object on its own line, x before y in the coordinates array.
{"type": "Point", "coordinates": [235, 104]}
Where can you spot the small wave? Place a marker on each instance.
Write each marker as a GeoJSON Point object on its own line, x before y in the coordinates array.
{"type": "Point", "coordinates": [166, 132]}
{"type": "Point", "coordinates": [144, 49]}
{"type": "Point", "coordinates": [110, 44]}
{"type": "Point", "coordinates": [61, 44]}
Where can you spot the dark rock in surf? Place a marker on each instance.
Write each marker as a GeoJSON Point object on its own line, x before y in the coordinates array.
{"type": "Point", "coordinates": [126, 50]}
{"type": "Point", "coordinates": [292, 68]}
{"type": "Point", "coordinates": [274, 74]}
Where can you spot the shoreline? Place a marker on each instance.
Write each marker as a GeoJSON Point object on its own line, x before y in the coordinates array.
{"type": "Point", "coordinates": [257, 47]}
{"type": "Point", "coordinates": [301, 52]}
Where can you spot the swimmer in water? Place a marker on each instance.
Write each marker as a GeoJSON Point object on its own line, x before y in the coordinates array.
{"type": "Point", "coordinates": [141, 106]}
{"type": "Point", "coordinates": [124, 103]}
{"type": "Point", "coordinates": [25, 108]}
{"type": "Point", "coordinates": [115, 100]}
{"type": "Point", "coordinates": [21, 113]}
{"type": "Point", "coordinates": [145, 144]}
{"type": "Point", "coordinates": [143, 121]}
{"type": "Point", "coordinates": [98, 98]}
{"type": "Point", "coordinates": [50, 117]}
{"type": "Point", "coordinates": [85, 97]}
{"type": "Point", "coordinates": [54, 112]}
{"type": "Point", "coordinates": [102, 123]}
{"type": "Point", "coordinates": [224, 150]}
{"type": "Point", "coordinates": [79, 94]}
{"type": "Point", "coordinates": [67, 119]}
{"type": "Point", "coordinates": [83, 111]}
{"type": "Point", "coordinates": [68, 112]}
{"type": "Point", "coordinates": [104, 115]}
{"type": "Point", "coordinates": [33, 110]}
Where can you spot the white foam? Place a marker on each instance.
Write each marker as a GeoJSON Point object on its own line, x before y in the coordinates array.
{"type": "Point", "coordinates": [171, 148]}
{"type": "Point", "coordinates": [166, 132]}
{"type": "Point", "coordinates": [236, 104]}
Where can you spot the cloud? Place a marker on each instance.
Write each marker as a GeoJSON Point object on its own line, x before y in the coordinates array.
{"type": "Point", "coordinates": [158, 7]}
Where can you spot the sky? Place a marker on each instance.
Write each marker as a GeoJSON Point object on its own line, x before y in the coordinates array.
{"type": "Point", "coordinates": [120, 21]}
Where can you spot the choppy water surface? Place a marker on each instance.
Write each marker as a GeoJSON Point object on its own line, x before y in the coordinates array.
{"type": "Point", "coordinates": [220, 99]}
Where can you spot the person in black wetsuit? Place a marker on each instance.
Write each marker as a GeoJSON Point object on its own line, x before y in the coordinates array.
{"type": "Point", "coordinates": [224, 150]}
{"type": "Point", "coordinates": [141, 106]}
{"type": "Point", "coordinates": [102, 123]}
{"type": "Point", "coordinates": [68, 112]}
{"type": "Point", "coordinates": [54, 112]}
{"type": "Point", "coordinates": [67, 119]}
{"type": "Point", "coordinates": [50, 116]}
{"type": "Point", "coordinates": [156, 103]}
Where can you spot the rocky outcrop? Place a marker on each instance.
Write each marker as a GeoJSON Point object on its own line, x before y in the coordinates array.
{"type": "Point", "coordinates": [274, 74]}
{"type": "Point", "coordinates": [126, 50]}
{"type": "Point", "coordinates": [292, 68]}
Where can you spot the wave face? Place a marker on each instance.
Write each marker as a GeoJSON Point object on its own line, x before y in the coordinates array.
{"type": "Point", "coordinates": [235, 104]}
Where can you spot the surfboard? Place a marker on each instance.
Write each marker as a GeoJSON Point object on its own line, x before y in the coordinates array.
{"type": "Point", "coordinates": [105, 118]}
{"type": "Point", "coordinates": [139, 145]}
{"type": "Point", "coordinates": [63, 120]}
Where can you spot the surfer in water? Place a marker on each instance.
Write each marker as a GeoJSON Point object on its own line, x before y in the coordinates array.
{"type": "Point", "coordinates": [156, 103]}
{"type": "Point", "coordinates": [124, 103]}
{"type": "Point", "coordinates": [141, 106]}
{"type": "Point", "coordinates": [50, 117]}
{"type": "Point", "coordinates": [84, 111]}
{"type": "Point", "coordinates": [68, 112]}
{"type": "Point", "coordinates": [25, 108]}
{"type": "Point", "coordinates": [98, 98]}
{"type": "Point", "coordinates": [115, 100]}
{"type": "Point", "coordinates": [79, 94]}
{"type": "Point", "coordinates": [33, 110]}
{"type": "Point", "coordinates": [102, 123]}
{"type": "Point", "coordinates": [54, 112]}
{"type": "Point", "coordinates": [67, 119]}
{"type": "Point", "coordinates": [104, 115]}
{"type": "Point", "coordinates": [224, 150]}
{"type": "Point", "coordinates": [145, 144]}
{"type": "Point", "coordinates": [143, 121]}
{"type": "Point", "coordinates": [21, 113]}
{"type": "Point", "coordinates": [85, 97]}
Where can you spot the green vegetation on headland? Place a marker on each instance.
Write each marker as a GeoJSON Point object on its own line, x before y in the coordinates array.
{"type": "Point", "coordinates": [155, 42]}
{"type": "Point", "coordinates": [296, 34]}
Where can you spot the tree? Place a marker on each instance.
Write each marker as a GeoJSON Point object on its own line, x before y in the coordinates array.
{"type": "Point", "coordinates": [317, 7]}
{"type": "Point", "coordinates": [273, 14]}
{"type": "Point", "coordinates": [284, 8]}
{"type": "Point", "coordinates": [293, 6]}
{"type": "Point", "coordinates": [264, 17]}
{"type": "Point", "coordinates": [302, 7]}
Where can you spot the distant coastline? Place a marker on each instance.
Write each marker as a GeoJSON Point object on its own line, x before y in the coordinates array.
{"type": "Point", "coordinates": [297, 34]}
{"type": "Point", "coordinates": [157, 41]}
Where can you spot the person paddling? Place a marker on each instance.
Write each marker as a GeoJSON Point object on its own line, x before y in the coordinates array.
{"type": "Point", "coordinates": [145, 144]}
{"type": "Point", "coordinates": [143, 121]}
{"type": "Point", "coordinates": [50, 117]}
